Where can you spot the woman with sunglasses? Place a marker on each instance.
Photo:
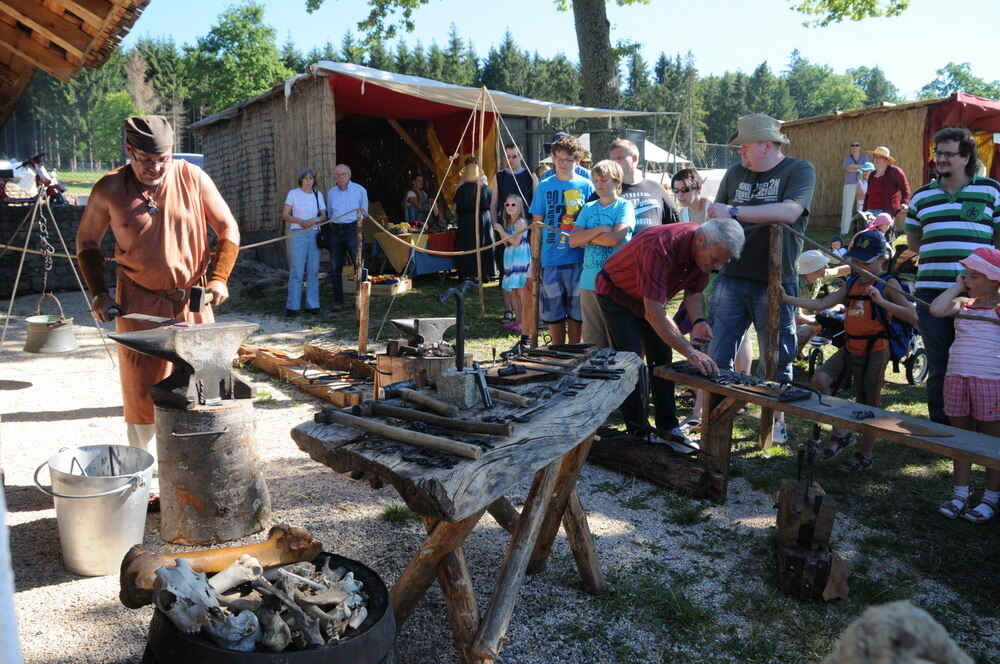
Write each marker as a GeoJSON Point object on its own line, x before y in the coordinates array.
{"type": "Point", "coordinates": [516, 260]}
{"type": "Point", "coordinates": [686, 187]}
{"type": "Point", "coordinates": [852, 164]}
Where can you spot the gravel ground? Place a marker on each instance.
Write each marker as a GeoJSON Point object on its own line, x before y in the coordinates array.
{"type": "Point", "coordinates": [50, 402]}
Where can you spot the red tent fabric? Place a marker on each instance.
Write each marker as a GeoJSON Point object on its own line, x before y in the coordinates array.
{"type": "Point", "coordinates": [977, 113]}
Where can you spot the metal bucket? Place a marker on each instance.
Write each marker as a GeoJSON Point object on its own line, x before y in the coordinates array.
{"type": "Point", "coordinates": [48, 333]}
{"type": "Point", "coordinates": [101, 494]}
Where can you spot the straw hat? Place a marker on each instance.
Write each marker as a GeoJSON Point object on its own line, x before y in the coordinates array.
{"type": "Point", "coordinates": [882, 151]}
{"type": "Point", "coordinates": [471, 173]}
{"type": "Point", "coordinates": [758, 127]}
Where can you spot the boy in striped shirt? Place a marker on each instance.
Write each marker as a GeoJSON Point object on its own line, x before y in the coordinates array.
{"type": "Point", "coordinates": [947, 220]}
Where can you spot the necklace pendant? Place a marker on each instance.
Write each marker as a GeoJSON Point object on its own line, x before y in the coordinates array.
{"type": "Point", "coordinates": [151, 205]}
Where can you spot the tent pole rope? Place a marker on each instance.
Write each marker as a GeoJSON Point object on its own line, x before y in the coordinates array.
{"type": "Point", "coordinates": [479, 189]}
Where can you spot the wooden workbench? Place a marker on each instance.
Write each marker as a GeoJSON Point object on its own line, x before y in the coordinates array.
{"type": "Point", "coordinates": [723, 401]}
{"type": "Point", "coordinates": [552, 447]}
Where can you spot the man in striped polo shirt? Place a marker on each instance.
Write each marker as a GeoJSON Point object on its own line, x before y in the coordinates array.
{"type": "Point", "coordinates": [947, 220]}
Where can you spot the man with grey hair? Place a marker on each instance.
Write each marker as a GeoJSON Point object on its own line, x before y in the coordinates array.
{"type": "Point", "coordinates": [649, 199]}
{"type": "Point", "coordinates": [633, 288]}
{"type": "Point", "coordinates": [766, 187]}
{"type": "Point", "coordinates": [346, 205]}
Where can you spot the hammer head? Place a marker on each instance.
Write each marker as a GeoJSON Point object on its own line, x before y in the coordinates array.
{"type": "Point", "coordinates": [199, 299]}
{"type": "Point", "coordinates": [392, 391]}
{"type": "Point", "coordinates": [202, 356]}
{"type": "Point", "coordinates": [426, 331]}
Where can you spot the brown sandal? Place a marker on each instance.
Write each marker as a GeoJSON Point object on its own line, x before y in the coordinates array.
{"type": "Point", "coordinates": [949, 510]}
{"type": "Point", "coordinates": [975, 516]}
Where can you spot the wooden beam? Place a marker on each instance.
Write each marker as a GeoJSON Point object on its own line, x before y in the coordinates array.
{"type": "Point", "coordinates": [771, 352]}
{"type": "Point", "coordinates": [405, 135]}
{"type": "Point", "coordinates": [45, 58]}
{"type": "Point", "coordinates": [48, 24]}
{"type": "Point", "coordinates": [92, 12]}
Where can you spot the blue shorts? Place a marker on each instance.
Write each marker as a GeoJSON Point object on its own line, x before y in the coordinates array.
{"type": "Point", "coordinates": [559, 297]}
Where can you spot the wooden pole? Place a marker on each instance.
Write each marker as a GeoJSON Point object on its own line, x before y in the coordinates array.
{"type": "Point", "coordinates": [363, 287]}
{"type": "Point", "coordinates": [582, 545]}
{"type": "Point", "coordinates": [405, 135]}
{"type": "Point", "coordinates": [418, 576]}
{"type": "Point", "coordinates": [530, 326]}
{"type": "Point", "coordinates": [515, 562]}
{"type": "Point", "coordinates": [479, 189]}
{"type": "Point", "coordinates": [417, 438]}
{"type": "Point", "coordinates": [771, 353]}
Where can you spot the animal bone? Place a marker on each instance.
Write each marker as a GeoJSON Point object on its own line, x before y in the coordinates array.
{"type": "Point", "coordinates": [185, 597]}
{"type": "Point", "coordinates": [138, 571]}
{"type": "Point", "coordinates": [275, 633]}
{"type": "Point", "coordinates": [308, 627]}
{"type": "Point", "coordinates": [302, 579]}
{"type": "Point", "coordinates": [349, 585]}
{"type": "Point", "coordinates": [240, 632]}
{"type": "Point", "coordinates": [328, 626]}
{"type": "Point", "coordinates": [326, 596]}
{"type": "Point", "coordinates": [246, 568]}
{"type": "Point", "coordinates": [330, 575]}
{"type": "Point", "coordinates": [358, 617]}
{"type": "Point", "coordinates": [236, 602]}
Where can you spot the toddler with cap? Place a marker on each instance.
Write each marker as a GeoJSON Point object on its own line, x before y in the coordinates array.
{"type": "Point", "coordinates": [866, 351]}
{"type": "Point", "coordinates": [972, 379]}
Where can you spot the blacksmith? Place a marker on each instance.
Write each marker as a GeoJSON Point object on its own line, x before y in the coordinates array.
{"type": "Point", "coordinates": [159, 211]}
{"type": "Point", "coordinates": [633, 288]}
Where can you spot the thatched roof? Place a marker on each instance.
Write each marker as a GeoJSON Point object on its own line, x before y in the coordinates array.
{"type": "Point", "coordinates": [58, 37]}
{"type": "Point", "coordinates": [862, 112]}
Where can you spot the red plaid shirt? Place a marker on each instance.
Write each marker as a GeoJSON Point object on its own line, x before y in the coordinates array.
{"type": "Point", "coordinates": [655, 264]}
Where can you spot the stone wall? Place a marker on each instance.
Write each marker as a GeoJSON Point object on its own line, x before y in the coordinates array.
{"type": "Point", "coordinates": [67, 218]}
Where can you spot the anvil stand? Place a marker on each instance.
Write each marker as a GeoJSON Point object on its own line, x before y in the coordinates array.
{"type": "Point", "coordinates": [212, 486]}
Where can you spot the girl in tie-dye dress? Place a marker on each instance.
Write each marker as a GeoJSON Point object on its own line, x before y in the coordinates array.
{"type": "Point", "coordinates": [516, 257]}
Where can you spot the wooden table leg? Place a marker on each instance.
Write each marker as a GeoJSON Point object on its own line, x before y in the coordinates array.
{"type": "Point", "coordinates": [572, 464]}
{"type": "Point", "coordinates": [582, 544]}
{"type": "Point", "coordinates": [504, 513]}
{"type": "Point", "coordinates": [496, 619]}
{"type": "Point", "coordinates": [459, 597]}
{"type": "Point", "coordinates": [418, 576]}
{"type": "Point", "coordinates": [717, 433]}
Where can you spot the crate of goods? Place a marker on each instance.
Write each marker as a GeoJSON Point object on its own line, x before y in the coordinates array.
{"type": "Point", "coordinates": [381, 284]}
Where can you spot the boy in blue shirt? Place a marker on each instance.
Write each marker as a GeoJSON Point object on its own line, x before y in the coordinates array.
{"type": "Point", "coordinates": [556, 202]}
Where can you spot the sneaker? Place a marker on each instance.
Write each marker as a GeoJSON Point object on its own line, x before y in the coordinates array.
{"type": "Point", "coordinates": [779, 434]}
{"type": "Point", "coordinates": [690, 425]}
{"type": "Point", "coordinates": [857, 462]}
{"type": "Point", "coordinates": [677, 441]}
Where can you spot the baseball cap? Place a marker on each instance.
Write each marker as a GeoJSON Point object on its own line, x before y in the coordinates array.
{"type": "Point", "coordinates": [810, 261]}
{"type": "Point", "coordinates": [555, 137]}
{"type": "Point", "coordinates": [867, 246]}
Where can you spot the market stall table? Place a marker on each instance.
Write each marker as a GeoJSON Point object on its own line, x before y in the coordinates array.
{"type": "Point", "coordinates": [452, 494]}
{"type": "Point", "coordinates": [421, 263]}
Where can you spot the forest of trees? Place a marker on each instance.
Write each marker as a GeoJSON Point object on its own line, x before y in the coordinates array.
{"type": "Point", "coordinates": [80, 122]}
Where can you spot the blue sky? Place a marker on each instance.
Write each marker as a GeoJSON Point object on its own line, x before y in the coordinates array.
{"type": "Point", "coordinates": [724, 35]}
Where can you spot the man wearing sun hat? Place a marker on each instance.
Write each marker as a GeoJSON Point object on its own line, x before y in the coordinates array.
{"type": "Point", "coordinates": [766, 187]}
{"type": "Point", "coordinates": [947, 220]}
{"type": "Point", "coordinates": [888, 187]}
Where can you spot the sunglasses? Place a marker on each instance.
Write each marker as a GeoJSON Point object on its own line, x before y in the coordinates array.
{"type": "Point", "coordinates": [855, 145]}
{"type": "Point", "coordinates": [510, 204]}
{"type": "Point", "coordinates": [685, 190]}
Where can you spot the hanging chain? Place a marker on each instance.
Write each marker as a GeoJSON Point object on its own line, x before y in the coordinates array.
{"type": "Point", "coordinates": [47, 250]}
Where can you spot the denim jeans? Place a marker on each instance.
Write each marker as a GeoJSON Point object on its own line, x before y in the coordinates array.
{"type": "Point", "coordinates": [303, 263]}
{"type": "Point", "coordinates": [343, 244]}
{"type": "Point", "coordinates": [630, 333]}
{"type": "Point", "coordinates": [735, 304]}
{"type": "Point", "coordinates": [937, 333]}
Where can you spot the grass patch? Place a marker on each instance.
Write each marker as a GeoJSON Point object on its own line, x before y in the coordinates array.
{"type": "Point", "coordinates": [398, 514]}
{"type": "Point", "coordinates": [264, 396]}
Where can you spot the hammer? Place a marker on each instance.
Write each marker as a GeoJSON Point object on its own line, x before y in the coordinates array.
{"type": "Point", "coordinates": [380, 408]}
{"type": "Point", "coordinates": [404, 390]}
{"type": "Point", "coordinates": [283, 545]}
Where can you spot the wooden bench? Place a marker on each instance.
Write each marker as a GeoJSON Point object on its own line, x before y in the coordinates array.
{"type": "Point", "coordinates": [722, 402]}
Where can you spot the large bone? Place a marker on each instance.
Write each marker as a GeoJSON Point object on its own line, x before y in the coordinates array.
{"type": "Point", "coordinates": [138, 571]}
{"type": "Point", "coordinates": [246, 568]}
{"type": "Point", "coordinates": [275, 633]}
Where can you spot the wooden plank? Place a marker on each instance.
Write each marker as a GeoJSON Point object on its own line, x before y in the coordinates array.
{"type": "Point", "coordinates": [771, 354]}
{"type": "Point", "coordinates": [529, 376]}
{"type": "Point", "coordinates": [50, 25]}
{"type": "Point", "coordinates": [418, 576]}
{"type": "Point", "coordinates": [455, 493]}
{"type": "Point", "coordinates": [581, 543]}
{"type": "Point", "coordinates": [304, 375]}
{"type": "Point", "coordinates": [569, 471]}
{"type": "Point", "coordinates": [459, 598]}
{"type": "Point", "coordinates": [46, 59]}
{"type": "Point", "coordinates": [951, 442]}
{"type": "Point", "coordinates": [504, 513]}
{"type": "Point", "coordinates": [417, 150]}
{"type": "Point", "coordinates": [717, 433]}
{"type": "Point", "coordinates": [337, 357]}
{"type": "Point", "coordinates": [496, 619]}
{"type": "Point", "coordinates": [660, 465]}
{"type": "Point", "coordinates": [92, 12]}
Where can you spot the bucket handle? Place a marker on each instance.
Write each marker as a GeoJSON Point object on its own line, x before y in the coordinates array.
{"type": "Point", "coordinates": [134, 482]}
{"type": "Point", "coordinates": [199, 433]}
{"type": "Point", "coordinates": [38, 308]}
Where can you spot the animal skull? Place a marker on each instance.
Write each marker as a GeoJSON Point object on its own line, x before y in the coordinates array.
{"type": "Point", "coordinates": [185, 597]}
{"type": "Point", "coordinates": [275, 635]}
{"type": "Point", "coordinates": [240, 632]}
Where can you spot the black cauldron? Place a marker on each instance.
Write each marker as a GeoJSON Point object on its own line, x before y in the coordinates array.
{"type": "Point", "coordinates": [372, 642]}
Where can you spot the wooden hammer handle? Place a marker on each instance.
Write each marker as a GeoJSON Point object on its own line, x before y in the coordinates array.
{"type": "Point", "coordinates": [470, 426]}
{"type": "Point", "coordinates": [466, 450]}
{"type": "Point", "coordinates": [421, 399]}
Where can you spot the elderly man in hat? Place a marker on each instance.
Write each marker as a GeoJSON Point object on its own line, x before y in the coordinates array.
{"type": "Point", "coordinates": [766, 187]}
{"type": "Point", "coordinates": [159, 211]}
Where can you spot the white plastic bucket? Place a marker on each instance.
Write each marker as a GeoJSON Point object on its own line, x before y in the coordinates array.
{"type": "Point", "coordinates": [101, 494]}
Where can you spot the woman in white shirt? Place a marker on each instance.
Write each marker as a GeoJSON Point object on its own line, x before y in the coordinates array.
{"type": "Point", "coordinates": [305, 208]}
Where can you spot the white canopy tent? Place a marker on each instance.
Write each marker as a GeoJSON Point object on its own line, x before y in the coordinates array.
{"type": "Point", "coordinates": [653, 153]}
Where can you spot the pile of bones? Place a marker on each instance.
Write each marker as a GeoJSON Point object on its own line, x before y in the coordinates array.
{"type": "Point", "coordinates": [294, 606]}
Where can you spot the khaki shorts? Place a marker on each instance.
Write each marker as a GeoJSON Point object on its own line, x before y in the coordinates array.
{"type": "Point", "coordinates": [868, 372]}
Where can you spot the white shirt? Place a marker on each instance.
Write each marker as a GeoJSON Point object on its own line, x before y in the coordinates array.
{"type": "Point", "coordinates": [304, 205]}
{"type": "Point", "coordinates": [341, 201]}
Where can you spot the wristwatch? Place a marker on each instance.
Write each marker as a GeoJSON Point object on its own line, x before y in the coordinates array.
{"type": "Point", "coordinates": [733, 211]}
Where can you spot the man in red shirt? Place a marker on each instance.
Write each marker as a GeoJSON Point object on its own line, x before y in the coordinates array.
{"type": "Point", "coordinates": [637, 282]}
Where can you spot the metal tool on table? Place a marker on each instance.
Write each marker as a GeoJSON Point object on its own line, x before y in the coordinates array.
{"type": "Point", "coordinates": [334, 416]}
{"type": "Point", "coordinates": [406, 390]}
{"type": "Point", "coordinates": [582, 372]}
{"type": "Point", "coordinates": [380, 408]}
{"type": "Point", "coordinates": [426, 336]}
{"type": "Point", "coordinates": [479, 374]}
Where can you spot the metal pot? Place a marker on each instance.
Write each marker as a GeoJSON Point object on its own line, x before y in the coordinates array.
{"type": "Point", "coordinates": [48, 333]}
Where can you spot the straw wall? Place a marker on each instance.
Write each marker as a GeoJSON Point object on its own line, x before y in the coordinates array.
{"type": "Point", "coordinates": [255, 155]}
{"type": "Point", "coordinates": [825, 143]}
